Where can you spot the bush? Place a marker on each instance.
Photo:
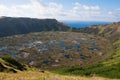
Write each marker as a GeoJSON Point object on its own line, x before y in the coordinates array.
{"type": "Point", "coordinates": [13, 62]}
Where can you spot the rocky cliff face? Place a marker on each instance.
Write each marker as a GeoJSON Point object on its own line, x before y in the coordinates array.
{"type": "Point", "coordinates": [12, 26]}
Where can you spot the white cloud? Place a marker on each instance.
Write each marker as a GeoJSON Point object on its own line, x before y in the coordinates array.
{"type": "Point", "coordinates": [86, 7]}
{"type": "Point", "coordinates": [38, 9]}
{"type": "Point", "coordinates": [113, 15]}
{"type": "Point", "coordinates": [116, 14]}
{"type": "Point", "coordinates": [78, 6]}
{"type": "Point", "coordinates": [109, 12]}
{"type": "Point", "coordinates": [33, 9]}
{"type": "Point", "coordinates": [95, 8]}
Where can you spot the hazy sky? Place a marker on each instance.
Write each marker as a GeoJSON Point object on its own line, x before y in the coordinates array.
{"type": "Point", "coordinates": [83, 10]}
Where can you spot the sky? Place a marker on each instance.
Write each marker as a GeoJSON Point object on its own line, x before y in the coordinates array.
{"type": "Point", "coordinates": [71, 10]}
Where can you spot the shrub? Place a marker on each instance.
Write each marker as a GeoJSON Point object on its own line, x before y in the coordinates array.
{"type": "Point", "coordinates": [13, 62]}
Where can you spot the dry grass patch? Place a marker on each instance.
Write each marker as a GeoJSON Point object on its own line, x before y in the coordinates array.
{"type": "Point", "coordinates": [32, 75]}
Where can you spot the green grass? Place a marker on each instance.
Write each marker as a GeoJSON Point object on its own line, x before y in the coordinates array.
{"type": "Point", "coordinates": [102, 70]}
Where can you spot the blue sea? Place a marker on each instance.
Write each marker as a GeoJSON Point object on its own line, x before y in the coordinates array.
{"type": "Point", "coordinates": [83, 24]}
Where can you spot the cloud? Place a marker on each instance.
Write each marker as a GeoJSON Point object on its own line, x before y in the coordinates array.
{"type": "Point", "coordinates": [78, 6]}
{"type": "Point", "coordinates": [95, 8]}
{"type": "Point", "coordinates": [116, 14]}
{"type": "Point", "coordinates": [113, 15]}
{"type": "Point", "coordinates": [85, 12]}
{"type": "Point", "coordinates": [109, 12]}
{"type": "Point", "coordinates": [33, 9]}
{"type": "Point", "coordinates": [38, 9]}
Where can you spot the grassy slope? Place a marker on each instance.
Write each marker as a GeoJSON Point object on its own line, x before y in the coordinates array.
{"type": "Point", "coordinates": [35, 75]}
{"type": "Point", "coordinates": [109, 68]}
{"type": "Point", "coordinates": [112, 71]}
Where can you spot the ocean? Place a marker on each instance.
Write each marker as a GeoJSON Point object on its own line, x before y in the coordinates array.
{"type": "Point", "coordinates": [83, 24]}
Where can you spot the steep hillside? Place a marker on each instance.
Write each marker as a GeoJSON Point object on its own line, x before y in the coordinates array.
{"type": "Point", "coordinates": [12, 26]}
{"type": "Point", "coordinates": [110, 31]}
{"type": "Point", "coordinates": [50, 50]}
